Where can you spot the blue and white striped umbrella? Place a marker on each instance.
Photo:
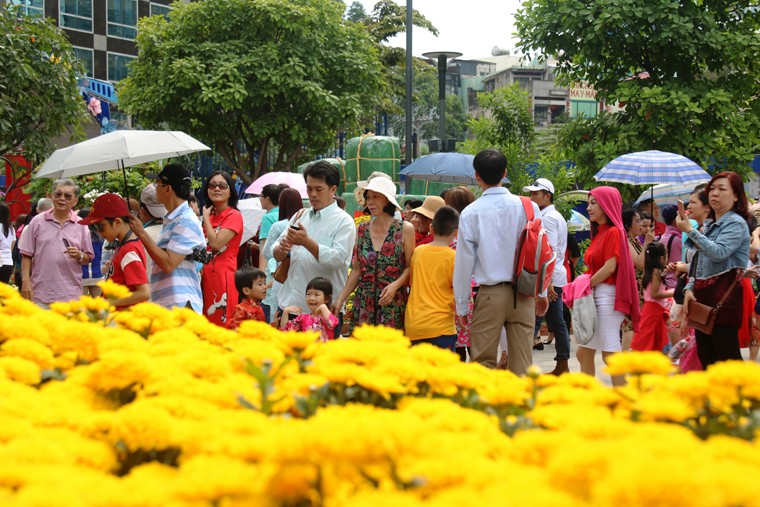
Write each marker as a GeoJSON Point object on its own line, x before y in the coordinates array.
{"type": "Point", "coordinates": [652, 167]}
{"type": "Point", "coordinates": [668, 193]}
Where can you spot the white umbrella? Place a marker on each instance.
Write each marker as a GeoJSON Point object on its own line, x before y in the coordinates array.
{"type": "Point", "coordinates": [117, 150]}
{"type": "Point", "coordinates": [252, 214]}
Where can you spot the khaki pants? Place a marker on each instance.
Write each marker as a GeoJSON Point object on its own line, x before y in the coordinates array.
{"type": "Point", "coordinates": [494, 308]}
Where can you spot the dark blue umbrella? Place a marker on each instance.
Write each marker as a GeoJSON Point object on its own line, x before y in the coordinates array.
{"type": "Point", "coordinates": [444, 167]}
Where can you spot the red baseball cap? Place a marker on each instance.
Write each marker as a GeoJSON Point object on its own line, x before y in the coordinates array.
{"type": "Point", "coordinates": [106, 206]}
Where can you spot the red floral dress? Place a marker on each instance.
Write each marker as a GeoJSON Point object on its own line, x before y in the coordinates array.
{"type": "Point", "coordinates": [378, 270]}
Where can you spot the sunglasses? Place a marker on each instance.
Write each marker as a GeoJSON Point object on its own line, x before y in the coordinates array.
{"type": "Point", "coordinates": [65, 195]}
{"type": "Point", "coordinates": [221, 186]}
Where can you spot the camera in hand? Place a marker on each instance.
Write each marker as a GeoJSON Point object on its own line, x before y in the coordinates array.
{"type": "Point", "coordinates": [201, 255]}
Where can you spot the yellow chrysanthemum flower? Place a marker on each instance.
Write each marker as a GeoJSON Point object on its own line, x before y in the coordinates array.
{"type": "Point", "coordinates": [21, 370]}
{"type": "Point", "coordinates": [29, 349]}
{"type": "Point", "coordinates": [112, 290]}
{"type": "Point", "coordinates": [639, 363]}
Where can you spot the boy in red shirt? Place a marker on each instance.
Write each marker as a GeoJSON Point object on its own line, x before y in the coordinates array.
{"type": "Point", "coordinates": [251, 284]}
{"type": "Point", "coordinates": [110, 215]}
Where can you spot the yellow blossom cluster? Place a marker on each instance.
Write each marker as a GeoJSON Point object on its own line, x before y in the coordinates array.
{"type": "Point", "coordinates": [162, 408]}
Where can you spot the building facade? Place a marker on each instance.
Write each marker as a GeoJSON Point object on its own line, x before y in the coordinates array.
{"type": "Point", "coordinates": [102, 31]}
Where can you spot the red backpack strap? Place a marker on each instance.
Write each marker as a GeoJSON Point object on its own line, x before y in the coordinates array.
{"type": "Point", "coordinates": [528, 207]}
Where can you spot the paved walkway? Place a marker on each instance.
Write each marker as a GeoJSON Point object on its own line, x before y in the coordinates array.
{"type": "Point", "coordinates": [544, 359]}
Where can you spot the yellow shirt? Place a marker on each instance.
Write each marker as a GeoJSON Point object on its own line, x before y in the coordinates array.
{"type": "Point", "coordinates": [430, 310]}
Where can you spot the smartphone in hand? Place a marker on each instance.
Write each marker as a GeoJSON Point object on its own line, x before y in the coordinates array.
{"type": "Point", "coordinates": [66, 243]}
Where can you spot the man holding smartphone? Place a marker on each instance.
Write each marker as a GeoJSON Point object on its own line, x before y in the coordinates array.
{"type": "Point", "coordinates": [320, 242]}
{"type": "Point", "coordinates": [54, 249]}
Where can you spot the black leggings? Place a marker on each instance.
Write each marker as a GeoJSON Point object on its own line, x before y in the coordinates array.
{"type": "Point", "coordinates": [722, 345]}
{"type": "Point", "coordinates": [5, 273]}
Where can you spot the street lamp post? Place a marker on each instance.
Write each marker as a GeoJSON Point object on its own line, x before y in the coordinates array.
{"type": "Point", "coordinates": [408, 123]}
{"type": "Point", "coordinates": [442, 58]}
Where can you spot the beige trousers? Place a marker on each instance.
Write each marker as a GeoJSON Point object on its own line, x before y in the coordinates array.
{"type": "Point", "coordinates": [494, 309]}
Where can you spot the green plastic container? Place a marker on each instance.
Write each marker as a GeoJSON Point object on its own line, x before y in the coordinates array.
{"type": "Point", "coordinates": [370, 153]}
{"type": "Point", "coordinates": [427, 187]}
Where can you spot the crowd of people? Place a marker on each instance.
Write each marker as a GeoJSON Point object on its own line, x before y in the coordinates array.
{"type": "Point", "coordinates": [441, 270]}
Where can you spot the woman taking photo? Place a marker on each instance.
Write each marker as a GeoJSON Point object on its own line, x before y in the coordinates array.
{"type": "Point", "coordinates": [612, 278]}
{"type": "Point", "coordinates": [223, 226]}
{"type": "Point", "coordinates": [723, 253]}
{"type": "Point", "coordinates": [382, 256]}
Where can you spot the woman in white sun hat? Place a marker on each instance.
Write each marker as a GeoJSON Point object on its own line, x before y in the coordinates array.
{"type": "Point", "coordinates": [382, 253]}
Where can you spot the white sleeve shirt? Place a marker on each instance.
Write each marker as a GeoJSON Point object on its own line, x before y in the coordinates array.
{"type": "Point", "coordinates": [556, 229]}
{"type": "Point", "coordinates": [489, 230]}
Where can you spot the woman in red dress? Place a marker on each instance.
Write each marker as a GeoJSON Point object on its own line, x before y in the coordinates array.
{"type": "Point", "coordinates": [223, 226]}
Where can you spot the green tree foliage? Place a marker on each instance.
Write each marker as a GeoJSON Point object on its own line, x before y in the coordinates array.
{"type": "Point", "coordinates": [387, 20]}
{"type": "Point", "coordinates": [356, 13]}
{"type": "Point", "coordinates": [425, 106]}
{"type": "Point", "coordinates": [508, 126]}
{"type": "Point", "coordinates": [687, 72]}
{"type": "Point", "coordinates": [92, 185]}
{"type": "Point", "coordinates": [254, 77]}
{"type": "Point", "coordinates": [39, 98]}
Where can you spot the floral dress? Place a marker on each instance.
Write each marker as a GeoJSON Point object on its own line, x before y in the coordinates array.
{"type": "Point", "coordinates": [463, 328]}
{"type": "Point", "coordinates": [378, 270]}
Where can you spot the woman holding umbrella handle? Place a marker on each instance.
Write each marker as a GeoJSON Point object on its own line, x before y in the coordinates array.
{"type": "Point", "coordinates": [223, 225]}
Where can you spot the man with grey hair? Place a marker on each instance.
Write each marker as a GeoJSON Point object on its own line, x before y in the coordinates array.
{"type": "Point", "coordinates": [54, 249]}
{"type": "Point", "coordinates": [44, 204]}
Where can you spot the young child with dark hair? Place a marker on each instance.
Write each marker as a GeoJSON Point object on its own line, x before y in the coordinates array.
{"type": "Point", "coordinates": [430, 312]}
{"type": "Point", "coordinates": [653, 333]}
{"type": "Point", "coordinates": [318, 296]}
{"type": "Point", "coordinates": [251, 284]}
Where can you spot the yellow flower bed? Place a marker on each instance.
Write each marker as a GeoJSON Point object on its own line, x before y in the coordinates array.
{"type": "Point", "coordinates": [150, 407]}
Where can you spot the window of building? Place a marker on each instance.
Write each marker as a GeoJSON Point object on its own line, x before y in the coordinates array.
{"type": "Point", "coordinates": [122, 18]}
{"type": "Point", "coordinates": [159, 9]}
{"type": "Point", "coordinates": [30, 7]}
{"type": "Point", "coordinates": [87, 57]}
{"type": "Point", "coordinates": [117, 66]}
{"type": "Point", "coordinates": [76, 14]}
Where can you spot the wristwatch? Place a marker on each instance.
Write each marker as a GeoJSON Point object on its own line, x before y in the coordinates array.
{"type": "Point", "coordinates": [81, 256]}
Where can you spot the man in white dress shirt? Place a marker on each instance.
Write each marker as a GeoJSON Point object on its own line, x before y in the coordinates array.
{"type": "Point", "coordinates": [321, 241]}
{"type": "Point", "coordinates": [489, 230]}
{"type": "Point", "coordinates": [542, 193]}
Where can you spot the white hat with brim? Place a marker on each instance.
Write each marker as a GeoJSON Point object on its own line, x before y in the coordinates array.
{"type": "Point", "coordinates": [384, 186]}
{"type": "Point", "coordinates": [540, 184]}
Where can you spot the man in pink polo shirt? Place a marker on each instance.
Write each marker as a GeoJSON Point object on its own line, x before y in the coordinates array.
{"type": "Point", "coordinates": [54, 249]}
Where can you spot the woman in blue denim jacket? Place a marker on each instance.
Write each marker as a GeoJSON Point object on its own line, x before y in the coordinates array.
{"type": "Point", "coordinates": [723, 253]}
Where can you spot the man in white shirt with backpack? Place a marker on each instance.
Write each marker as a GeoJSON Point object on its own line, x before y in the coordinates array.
{"type": "Point", "coordinates": [542, 193]}
{"type": "Point", "coordinates": [489, 232]}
